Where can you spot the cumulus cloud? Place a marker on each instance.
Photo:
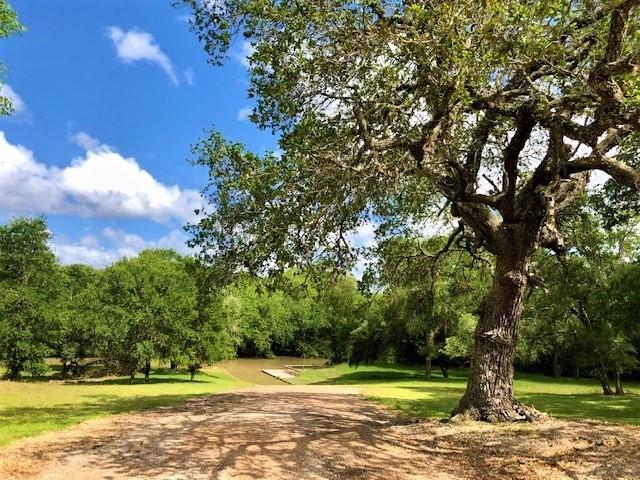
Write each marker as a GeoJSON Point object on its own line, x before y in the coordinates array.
{"type": "Point", "coordinates": [91, 251]}
{"type": "Point", "coordinates": [17, 102]}
{"type": "Point", "coordinates": [100, 183]}
{"type": "Point", "coordinates": [138, 45]}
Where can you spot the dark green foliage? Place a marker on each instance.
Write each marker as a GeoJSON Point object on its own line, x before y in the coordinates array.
{"type": "Point", "coordinates": [28, 285]}
{"type": "Point", "coordinates": [72, 337]}
{"type": "Point", "coordinates": [146, 308]}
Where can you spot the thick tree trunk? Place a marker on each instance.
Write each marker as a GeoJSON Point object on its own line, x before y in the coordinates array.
{"type": "Point", "coordinates": [192, 371]}
{"type": "Point", "coordinates": [489, 395]}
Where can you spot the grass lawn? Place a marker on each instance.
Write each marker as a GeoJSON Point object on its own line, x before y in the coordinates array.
{"type": "Point", "coordinates": [30, 407]}
{"type": "Point", "coordinates": [406, 389]}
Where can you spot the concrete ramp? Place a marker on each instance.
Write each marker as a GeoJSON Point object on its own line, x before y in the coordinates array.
{"type": "Point", "coordinates": [280, 374]}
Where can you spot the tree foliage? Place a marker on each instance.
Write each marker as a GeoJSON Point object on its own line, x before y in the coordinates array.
{"type": "Point", "coordinates": [387, 111]}
{"type": "Point", "coordinates": [28, 281]}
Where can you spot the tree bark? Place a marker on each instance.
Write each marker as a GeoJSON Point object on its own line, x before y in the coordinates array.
{"type": "Point", "coordinates": [192, 371]}
{"type": "Point", "coordinates": [557, 368]}
{"type": "Point", "coordinates": [147, 371]}
{"type": "Point", "coordinates": [444, 367]}
{"type": "Point", "coordinates": [604, 381]}
{"type": "Point", "coordinates": [618, 383]}
{"type": "Point", "coordinates": [489, 395]}
{"type": "Point", "coordinates": [428, 363]}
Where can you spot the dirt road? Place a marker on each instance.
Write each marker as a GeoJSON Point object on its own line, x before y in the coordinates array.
{"type": "Point", "coordinates": [316, 432]}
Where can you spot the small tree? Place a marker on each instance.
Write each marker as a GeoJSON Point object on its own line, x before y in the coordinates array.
{"type": "Point", "coordinates": [28, 285]}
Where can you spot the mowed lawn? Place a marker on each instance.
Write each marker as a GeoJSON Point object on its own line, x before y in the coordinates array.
{"type": "Point", "coordinates": [406, 389]}
{"type": "Point", "coordinates": [30, 407]}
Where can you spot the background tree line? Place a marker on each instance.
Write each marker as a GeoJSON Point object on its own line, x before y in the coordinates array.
{"type": "Point", "coordinates": [418, 302]}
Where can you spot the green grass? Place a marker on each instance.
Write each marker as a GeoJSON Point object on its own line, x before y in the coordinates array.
{"type": "Point", "coordinates": [30, 407]}
{"type": "Point", "coordinates": [406, 389]}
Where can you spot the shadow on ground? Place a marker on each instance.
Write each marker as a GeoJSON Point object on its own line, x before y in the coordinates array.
{"type": "Point", "coordinates": [283, 435]}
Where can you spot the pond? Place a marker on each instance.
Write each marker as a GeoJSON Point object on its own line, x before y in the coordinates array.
{"type": "Point", "coordinates": [250, 369]}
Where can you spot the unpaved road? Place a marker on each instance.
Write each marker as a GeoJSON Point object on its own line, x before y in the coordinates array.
{"type": "Point", "coordinates": [317, 432]}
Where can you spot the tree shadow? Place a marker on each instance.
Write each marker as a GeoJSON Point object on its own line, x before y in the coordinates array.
{"type": "Point", "coordinates": [28, 421]}
{"type": "Point", "coordinates": [303, 435]}
{"type": "Point", "coordinates": [624, 409]}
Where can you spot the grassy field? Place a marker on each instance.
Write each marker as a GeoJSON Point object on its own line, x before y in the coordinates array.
{"type": "Point", "coordinates": [31, 407]}
{"type": "Point", "coordinates": [28, 408]}
{"type": "Point", "coordinates": [405, 388]}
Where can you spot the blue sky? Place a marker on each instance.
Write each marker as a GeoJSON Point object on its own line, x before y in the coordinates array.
{"type": "Point", "coordinates": [110, 94]}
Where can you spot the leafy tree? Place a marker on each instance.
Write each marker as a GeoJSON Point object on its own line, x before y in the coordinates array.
{"type": "Point", "coordinates": [147, 306]}
{"type": "Point", "coordinates": [432, 292]}
{"type": "Point", "coordinates": [28, 283]}
{"type": "Point", "coordinates": [208, 336]}
{"type": "Point", "coordinates": [9, 24]}
{"type": "Point", "coordinates": [387, 110]}
{"type": "Point", "coordinates": [72, 335]}
{"type": "Point", "coordinates": [583, 317]}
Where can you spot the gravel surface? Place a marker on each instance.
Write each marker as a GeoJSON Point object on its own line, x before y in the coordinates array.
{"type": "Point", "coordinates": [317, 432]}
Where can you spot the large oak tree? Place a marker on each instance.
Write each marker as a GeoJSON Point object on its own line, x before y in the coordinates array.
{"type": "Point", "coordinates": [499, 110]}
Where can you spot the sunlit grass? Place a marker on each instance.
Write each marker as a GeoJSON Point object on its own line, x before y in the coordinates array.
{"type": "Point", "coordinates": [30, 407]}
{"type": "Point", "coordinates": [406, 389]}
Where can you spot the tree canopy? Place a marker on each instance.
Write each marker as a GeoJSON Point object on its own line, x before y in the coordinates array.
{"type": "Point", "coordinates": [392, 112]}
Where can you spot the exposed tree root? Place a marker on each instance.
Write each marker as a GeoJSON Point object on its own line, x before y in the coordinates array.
{"type": "Point", "coordinates": [500, 411]}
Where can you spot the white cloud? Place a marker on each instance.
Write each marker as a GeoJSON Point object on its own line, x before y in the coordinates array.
{"type": "Point", "coordinates": [189, 76]}
{"type": "Point", "coordinates": [24, 182]}
{"type": "Point", "coordinates": [101, 183]}
{"type": "Point", "coordinates": [186, 18]}
{"type": "Point", "coordinates": [90, 251]}
{"type": "Point", "coordinates": [17, 102]}
{"type": "Point", "coordinates": [243, 55]}
{"type": "Point", "coordinates": [364, 236]}
{"type": "Point", "coordinates": [85, 141]}
{"type": "Point", "coordinates": [136, 45]}
{"type": "Point", "coordinates": [243, 114]}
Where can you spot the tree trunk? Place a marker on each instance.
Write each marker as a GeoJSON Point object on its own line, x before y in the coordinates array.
{"type": "Point", "coordinates": [489, 395]}
{"type": "Point", "coordinates": [147, 371]}
{"type": "Point", "coordinates": [604, 381]}
{"type": "Point", "coordinates": [427, 368]}
{"type": "Point", "coordinates": [444, 367]}
{"type": "Point", "coordinates": [618, 383]}
{"type": "Point", "coordinates": [174, 364]}
{"type": "Point", "coordinates": [557, 368]}
{"type": "Point", "coordinates": [428, 363]}
{"type": "Point", "coordinates": [13, 374]}
{"type": "Point", "coordinates": [192, 371]}
{"type": "Point", "coordinates": [132, 376]}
